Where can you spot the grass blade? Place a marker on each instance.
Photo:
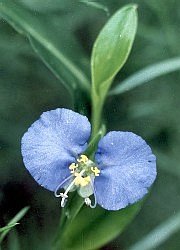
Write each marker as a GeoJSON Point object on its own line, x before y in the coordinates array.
{"type": "Point", "coordinates": [44, 44]}
{"type": "Point", "coordinates": [14, 221]}
{"type": "Point", "coordinates": [2, 229]}
{"type": "Point", "coordinates": [159, 235]}
{"type": "Point", "coordinates": [147, 74]}
{"type": "Point", "coordinates": [96, 5]}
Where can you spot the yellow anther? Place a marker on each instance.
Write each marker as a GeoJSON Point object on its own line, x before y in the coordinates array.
{"type": "Point", "coordinates": [95, 170]}
{"type": "Point", "coordinates": [83, 158]}
{"type": "Point", "coordinates": [72, 167]}
{"type": "Point", "coordinates": [82, 181]}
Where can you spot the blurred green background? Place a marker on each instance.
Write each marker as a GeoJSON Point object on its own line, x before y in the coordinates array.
{"type": "Point", "coordinates": [27, 88]}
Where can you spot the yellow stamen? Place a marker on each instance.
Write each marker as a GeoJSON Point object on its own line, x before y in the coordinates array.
{"type": "Point", "coordinates": [83, 158]}
{"type": "Point", "coordinates": [82, 181]}
{"type": "Point", "coordinates": [95, 170]}
{"type": "Point", "coordinates": [72, 167]}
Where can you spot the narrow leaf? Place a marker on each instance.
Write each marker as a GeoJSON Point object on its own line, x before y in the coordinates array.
{"type": "Point", "coordinates": [112, 47]}
{"type": "Point", "coordinates": [159, 235]}
{"type": "Point", "coordinates": [96, 5]}
{"type": "Point", "coordinates": [25, 22]}
{"type": "Point", "coordinates": [16, 218]}
{"type": "Point", "coordinates": [2, 229]}
{"type": "Point", "coordinates": [147, 74]}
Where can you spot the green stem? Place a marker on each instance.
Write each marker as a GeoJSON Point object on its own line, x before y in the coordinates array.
{"type": "Point", "coordinates": [97, 106]}
{"type": "Point", "coordinates": [98, 97]}
{"type": "Point", "coordinates": [91, 149]}
{"type": "Point", "coordinates": [68, 215]}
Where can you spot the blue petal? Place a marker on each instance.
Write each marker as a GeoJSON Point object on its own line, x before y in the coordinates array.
{"type": "Point", "coordinates": [128, 168]}
{"type": "Point", "coordinates": [52, 143]}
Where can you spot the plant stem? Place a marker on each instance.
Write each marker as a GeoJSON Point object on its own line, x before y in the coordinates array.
{"type": "Point", "coordinates": [98, 97]}
{"type": "Point", "coordinates": [68, 215]}
{"type": "Point", "coordinates": [97, 106]}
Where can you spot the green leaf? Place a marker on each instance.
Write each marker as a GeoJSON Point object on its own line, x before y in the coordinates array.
{"type": "Point", "coordinates": [112, 47]}
{"type": "Point", "coordinates": [14, 221]}
{"type": "Point", "coordinates": [93, 228]}
{"type": "Point", "coordinates": [110, 52]}
{"type": "Point", "coordinates": [96, 5]}
{"type": "Point", "coordinates": [25, 22]}
{"type": "Point", "coordinates": [147, 74]}
{"type": "Point", "coordinates": [159, 235]}
{"type": "Point", "coordinates": [2, 229]}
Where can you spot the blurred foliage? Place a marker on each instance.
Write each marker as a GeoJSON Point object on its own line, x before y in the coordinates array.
{"type": "Point", "coordinates": [13, 222]}
{"type": "Point", "coordinates": [27, 88]}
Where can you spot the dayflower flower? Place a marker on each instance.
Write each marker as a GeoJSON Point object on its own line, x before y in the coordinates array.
{"type": "Point", "coordinates": [53, 152]}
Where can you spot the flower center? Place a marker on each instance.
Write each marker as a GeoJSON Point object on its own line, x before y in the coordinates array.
{"type": "Point", "coordinates": [83, 170]}
{"type": "Point", "coordinates": [83, 173]}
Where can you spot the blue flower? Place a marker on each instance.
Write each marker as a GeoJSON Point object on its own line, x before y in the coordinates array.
{"type": "Point", "coordinates": [122, 170]}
